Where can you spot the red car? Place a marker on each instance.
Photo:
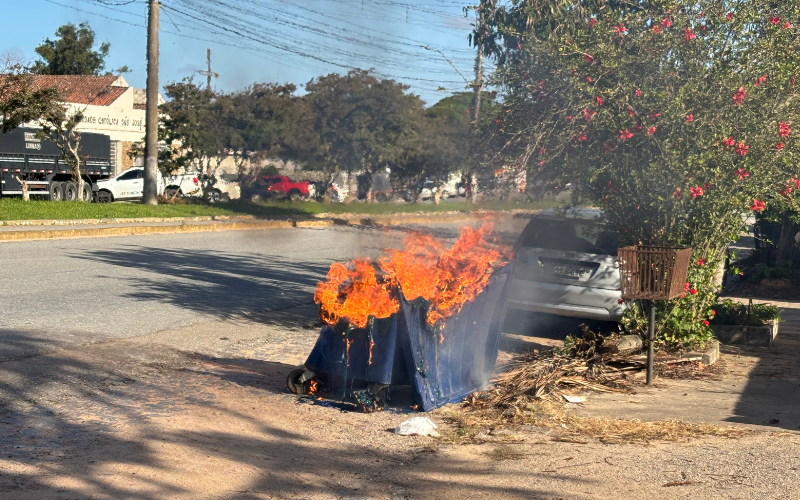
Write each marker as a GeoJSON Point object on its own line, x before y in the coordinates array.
{"type": "Point", "coordinates": [280, 186]}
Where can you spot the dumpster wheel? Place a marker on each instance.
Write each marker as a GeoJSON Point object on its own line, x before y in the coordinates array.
{"type": "Point", "coordinates": [296, 383]}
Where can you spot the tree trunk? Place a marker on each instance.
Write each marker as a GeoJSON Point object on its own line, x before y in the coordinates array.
{"type": "Point", "coordinates": [473, 188]}
{"type": "Point", "coordinates": [786, 242]}
{"type": "Point", "coordinates": [26, 195]}
{"type": "Point", "coordinates": [76, 167]}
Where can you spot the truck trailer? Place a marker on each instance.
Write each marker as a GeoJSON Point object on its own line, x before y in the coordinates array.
{"type": "Point", "coordinates": [39, 162]}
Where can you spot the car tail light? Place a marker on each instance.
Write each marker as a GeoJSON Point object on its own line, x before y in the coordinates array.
{"type": "Point", "coordinates": [194, 179]}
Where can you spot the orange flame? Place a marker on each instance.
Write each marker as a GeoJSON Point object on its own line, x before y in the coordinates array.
{"type": "Point", "coordinates": [354, 292]}
{"type": "Point", "coordinates": [446, 277]}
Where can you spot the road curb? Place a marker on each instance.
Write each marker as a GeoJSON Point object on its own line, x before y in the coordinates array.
{"type": "Point", "coordinates": [221, 223]}
{"type": "Point", "coordinates": [95, 232]}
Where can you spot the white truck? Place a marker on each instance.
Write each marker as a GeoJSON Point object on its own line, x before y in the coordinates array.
{"type": "Point", "coordinates": [128, 185]}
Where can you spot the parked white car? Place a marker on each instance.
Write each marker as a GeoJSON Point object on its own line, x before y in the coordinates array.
{"type": "Point", "coordinates": [567, 265]}
{"type": "Point", "coordinates": [128, 185]}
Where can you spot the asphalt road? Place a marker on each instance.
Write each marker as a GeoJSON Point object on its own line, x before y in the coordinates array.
{"type": "Point", "coordinates": [67, 292]}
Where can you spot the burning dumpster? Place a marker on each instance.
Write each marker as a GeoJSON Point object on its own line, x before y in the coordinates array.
{"type": "Point", "coordinates": [425, 316]}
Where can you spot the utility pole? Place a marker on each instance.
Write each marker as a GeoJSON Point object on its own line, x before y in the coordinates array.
{"type": "Point", "coordinates": [209, 73]}
{"type": "Point", "coordinates": [150, 191]}
{"type": "Point", "coordinates": [480, 37]}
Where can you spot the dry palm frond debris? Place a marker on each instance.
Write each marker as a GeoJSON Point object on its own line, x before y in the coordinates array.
{"type": "Point", "coordinates": [529, 393]}
{"type": "Point", "coordinates": [590, 362]}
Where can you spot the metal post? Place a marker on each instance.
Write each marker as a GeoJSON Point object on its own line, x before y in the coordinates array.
{"type": "Point", "coordinates": [651, 339]}
{"type": "Point", "coordinates": [150, 191]}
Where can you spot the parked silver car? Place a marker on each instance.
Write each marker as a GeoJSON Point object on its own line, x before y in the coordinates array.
{"type": "Point", "coordinates": [567, 265]}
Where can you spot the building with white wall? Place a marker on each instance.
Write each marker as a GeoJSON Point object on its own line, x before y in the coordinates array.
{"type": "Point", "coordinates": [110, 106]}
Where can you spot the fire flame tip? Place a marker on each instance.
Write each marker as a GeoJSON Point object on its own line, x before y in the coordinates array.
{"type": "Point", "coordinates": [446, 278]}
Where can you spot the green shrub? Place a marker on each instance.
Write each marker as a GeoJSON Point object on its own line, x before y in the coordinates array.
{"type": "Point", "coordinates": [782, 270]}
{"type": "Point", "coordinates": [729, 312]}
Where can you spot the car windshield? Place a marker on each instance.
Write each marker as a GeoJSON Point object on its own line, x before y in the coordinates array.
{"type": "Point", "coordinates": [570, 236]}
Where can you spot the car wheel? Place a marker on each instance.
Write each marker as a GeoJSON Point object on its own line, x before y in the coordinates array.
{"type": "Point", "coordinates": [172, 192]}
{"type": "Point", "coordinates": [295, 196]}
{"type": "Point", "coordinates": [86, 193]}
{"type": "Point", "coordinates": [213, 195]}
{"type": "Point", "coordinates": [56, 191]}
{"type": "Point", "coordinates": [104, 197]}
{"type": "Point", "coordinates": [70, 191]}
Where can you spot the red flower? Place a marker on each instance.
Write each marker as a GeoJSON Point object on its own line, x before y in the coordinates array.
{"type": "Point", "coordinates": [757, 206]}
{"type": "Point", "coordinates": [666, 22]}
{"type": "Point", "coordinates": [606, 148]}
{"type": "Point", "coordinates": [690, 117]}
{"type": "Point", "coordinates": [760, 80]}
{"type": "Point", "coordinates": [631, 111]}
{"type": "Point", "coordinates": [701, 261]}
{"type": "Point", "coordinates": [620, 29]}
{"type": "Point", "coordinates": [796, 183]}
{"type": "Point", "coordinates": [779, 146]}
{"type": "Point", "coordinates": [729, 16]}
{"type": "Point", "coordinates": [786, 192]}
{"type": "Point", "coordinates": [706, 185]}
{"type": "Point", "coordinates": [686, 287]}
{"type": "Point", "coordinates": [589, 79]}
{"type": "Point", "coordinates": [693, 291]}
{"type": "Point", "coordinates": [620, 301]}
{"type": "Point", "coordinates": [783, 129]}
{"type": "Point", "coordinates": [738, 96]}
{"type": "Point", "coordinates": [705, 322]}
{"type": "Point", "coordinates": [588, 57]}
{"type": "Point", "coordinates": [787, 25]}
{"type": "Point", "coordinates": [637, 93]}
{"type": "Point", "coordinates": [775, 20]}
{"type": "Point", "coordinates": [713, 312]}
{"type": "Point", "coordinates": [637, 127]}
{"type": "Point", "coordinates": [741, 149]}
{"type": "Point", "coordinates": [683, 296]}
{"type": "Point", "coordinates": [625, 135]}
{"type": "Point", "coordinates": [655, 115]}
{"type": "Point", "coordinates": [592, 22]}
{"type": "Point", "coordinates": [651, 131]}
{"type": "Point", "coordinates": [688, 34]}
{"type": "Point", "coordinates": [701, 14]}
{"type": "Point", "coordinates": [598, 100]}
{"type": "Point", "coordinates": [589, 114]}
{"type": "Point", "coordinates": [742, 173]}
{"type": "Point", "coordinates": [496, 121]}
{"type": "Point", "coordinates": [677, 194]}
{"type": "Point", "coordinates": [569, 118]}
{"type": "Point", "coordinates": [696, 191]}
{"type": "Point", "coordinates": [656, 29]}
{"type": "Point", "coordinates": [581, 137]}
{"type": "Point", "coordinates": [729, 141]}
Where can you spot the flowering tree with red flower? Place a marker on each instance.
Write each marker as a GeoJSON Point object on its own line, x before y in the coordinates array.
{"type": "Point", "coordinates": [697, 98]}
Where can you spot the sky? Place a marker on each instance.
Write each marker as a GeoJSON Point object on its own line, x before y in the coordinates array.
{"type": "Point", "coordinates": [282, 41]}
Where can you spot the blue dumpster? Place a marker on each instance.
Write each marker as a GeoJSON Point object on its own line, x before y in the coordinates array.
{"type": "Point", "coordinates": [441, 364]}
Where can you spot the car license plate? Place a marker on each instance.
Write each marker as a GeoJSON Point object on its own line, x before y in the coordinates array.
{"type": "Point", "coordinates": [570, 271]}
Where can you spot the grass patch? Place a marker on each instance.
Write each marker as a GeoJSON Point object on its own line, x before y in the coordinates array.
{"type": "Point", "coordinates": [310, 207]}
{"type": "Point", "coordinates": [16, 209]}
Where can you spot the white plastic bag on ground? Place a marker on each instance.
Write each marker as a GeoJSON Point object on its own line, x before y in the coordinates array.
{"type": "Point", "coordinates": [422, 426]}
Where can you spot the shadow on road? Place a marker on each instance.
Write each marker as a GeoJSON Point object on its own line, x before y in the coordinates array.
{"type": "Point", "coordinates": [207, 429]}
{"type": "Point", "coordinates": [226, 286]}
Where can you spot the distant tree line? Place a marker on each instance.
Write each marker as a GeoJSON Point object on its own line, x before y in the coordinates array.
{"type": "Point", "coordinates": [343, 123]}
